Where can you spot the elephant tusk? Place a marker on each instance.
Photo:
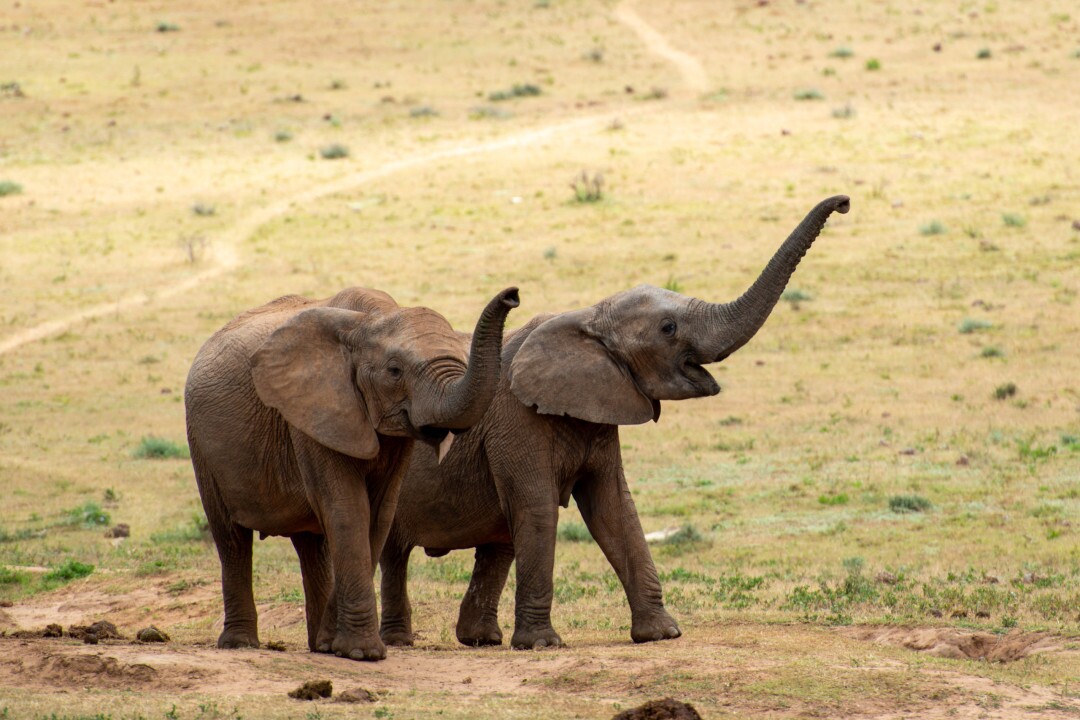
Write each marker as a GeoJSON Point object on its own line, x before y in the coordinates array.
{"type": "Point", "coordinates": [444, 446]}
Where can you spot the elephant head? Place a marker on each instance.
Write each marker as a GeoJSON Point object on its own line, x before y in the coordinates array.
{"type": "Point", "coordinates": [615, 361]}
{"type": "Point", "coordinates": [344, 377]}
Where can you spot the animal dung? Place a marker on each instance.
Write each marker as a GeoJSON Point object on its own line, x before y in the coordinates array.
{"type": "Point", "coordinates": [313, 690]}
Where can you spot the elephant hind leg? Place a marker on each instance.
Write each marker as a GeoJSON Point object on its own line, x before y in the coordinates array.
{"type": "Point", "coordinates": [478, 618]}
{"type": "Point", "coordinates": [318, 575]}
{"type": "Point", "coordinates": [234, 550]}
{"type": "Point", "coordinates": [396, 625]}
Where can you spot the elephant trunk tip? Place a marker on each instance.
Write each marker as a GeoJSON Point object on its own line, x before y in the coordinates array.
{"type": "Point", "coordinates": [509, 297]}
{"type": "Point", "coordinates": [840, 203]}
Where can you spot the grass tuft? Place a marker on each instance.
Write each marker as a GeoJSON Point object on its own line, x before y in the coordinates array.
{"type": "Point", "coordinates": [88, 514]}
{"type": "Point", "coordinates": [809, 94]}
{"type": "Point", "coordinates": [167, 27]}
{"type": "Point", "coordinates": [517, 91]}
{"type": "Point", "coordinates": [1013, 220]}
{"type": "Point", "coordinates": [984, 54]}
{"type": "Point", "coordinates": [574, 532]}
{"type": "Point", "coordinates": [934, 227]}
{"type": "Point", "coordinates": [909, 504]}
{"type": "Point", "coordinates": [334, 151]}
{"type": "Point", "coordinates": [973, 325]}
{"type": "Point", "coordinates": [10, 187]}
{"type": "Point", "coordinates": [588, 189]}
{"type": "Point", "coordinates": [873, 64]}
{"type": "Point", "coordinates": [992, 351]}
{"type": "Point", "coordinates": [70, 570]}
{"type": "Point", "coordinates": [157, 448]}
{"type": "Point", "coordinates": [842, 52]}
{"type": "Point", "coordinates": [1004, 392]}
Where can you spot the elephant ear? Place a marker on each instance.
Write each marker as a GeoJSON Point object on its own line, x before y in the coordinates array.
{"type": "Point", "coordinates": [563, 369]}
{"type": "Point", "coordinates": [303, 371]}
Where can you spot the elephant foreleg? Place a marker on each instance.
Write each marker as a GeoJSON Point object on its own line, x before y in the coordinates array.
{"type": "Point", "coordinates": [534, 530]}
{"type": "Point", "coordinates": [318, 578]}
{"type": "Point", "coordinates": [608, 510]}
{"type": "Point", "coordinates": [396, 626]}
{"type": "Point", "coordinates": [478, 618]}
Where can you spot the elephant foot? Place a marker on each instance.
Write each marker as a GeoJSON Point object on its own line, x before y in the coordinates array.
{"type": "Point", "coordinates": [358, 648]}
{"type": "Point", "coordinates": [659, 626]}
{"type": "Point", "coordinates": [234, 639]}
{"type": "Point", "coordinates": [479, 634]}
{"type": "Point", "coordinates": [535, 639]}
{"type": "Point", "coordinates": [398, 638]}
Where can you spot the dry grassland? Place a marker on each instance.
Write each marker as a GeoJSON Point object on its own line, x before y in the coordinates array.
{"type": "Point", "coordinates": [894, 463]}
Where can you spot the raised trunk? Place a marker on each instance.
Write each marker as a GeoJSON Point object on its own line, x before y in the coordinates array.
{"type": "Point", "coordinates": [467, 399]}
{"type": "Point", "coordinates": [729, 326]}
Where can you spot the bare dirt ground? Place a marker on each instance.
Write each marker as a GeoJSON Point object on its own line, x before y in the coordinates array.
{"type": "Point", "coordinates": [599, 675]}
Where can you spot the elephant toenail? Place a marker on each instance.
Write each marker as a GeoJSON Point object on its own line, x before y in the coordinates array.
{"type": "Point", "coordinates": [539, 644]}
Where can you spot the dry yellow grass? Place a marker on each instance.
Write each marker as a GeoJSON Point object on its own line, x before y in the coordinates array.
{"type": "Point", "coordinates": [962, 173]}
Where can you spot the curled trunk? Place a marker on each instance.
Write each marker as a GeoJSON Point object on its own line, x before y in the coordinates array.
{"type": "Point", "coordinates": [731, 325]}
{"type": "Point", "coordinates": [466, 400]}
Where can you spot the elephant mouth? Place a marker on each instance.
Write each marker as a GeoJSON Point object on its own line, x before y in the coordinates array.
{"type": "Point", "coordinates": [699, 378]}
{"type": "Point", "coordinates": [432, 435]}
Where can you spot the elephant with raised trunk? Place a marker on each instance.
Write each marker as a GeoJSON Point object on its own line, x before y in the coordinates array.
{"type": "Point", "coordinates": [569, 381]}
{"type": "Point", "coordinates": [301, 415]}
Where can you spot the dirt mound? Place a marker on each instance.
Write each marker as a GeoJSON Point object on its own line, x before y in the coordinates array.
{"type": "Point", "coordinates": [961, 644]}
{"type": "Point", "coordinates": [82, 670]}
{"type": "Point", "coordinates": [666, 709]}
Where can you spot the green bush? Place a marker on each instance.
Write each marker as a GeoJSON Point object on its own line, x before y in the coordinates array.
{"type": "Point", "coordinates": [970, 325]}
{"type": "Point", "coordinates": [909, 503]}
{"type": "Point", "coordinates": [334, 151]}
{"type": "Point", "coordinates": [156, 448]}
{"type": "Point", "coordinates": [70, 570]}
{"type": "Point", "coordinates": [89, 515]}
{"type": "Point", "coordinates": [9, 187]}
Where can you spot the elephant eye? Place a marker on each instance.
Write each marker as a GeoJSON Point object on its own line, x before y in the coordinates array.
{"type": "Point", "coordinates": [668, 328]}
{"type": "Point", "coordinates": [394, 371]}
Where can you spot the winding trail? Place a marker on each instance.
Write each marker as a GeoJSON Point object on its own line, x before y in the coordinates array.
{"type": "Point", "coordinates": [226, 256]}
{"type": "Point", "coordinates": [691, 69]}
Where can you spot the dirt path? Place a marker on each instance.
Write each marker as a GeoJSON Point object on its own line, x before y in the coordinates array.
{"type": "Point", "coordinates": [225, 254]}
{"type": "Point", "coordinates": [691, 69]}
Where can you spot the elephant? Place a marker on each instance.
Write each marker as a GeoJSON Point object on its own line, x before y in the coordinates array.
{"type": "Point", "coordinates": [301, 415]}
{"type": "Point", "coordinates": [568, 381]}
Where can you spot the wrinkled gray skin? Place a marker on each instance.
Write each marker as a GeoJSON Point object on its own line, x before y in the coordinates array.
{"type": "Point", "coordinates": [301, 415]}
{"type": "Point", "coordinates": [569, 381]}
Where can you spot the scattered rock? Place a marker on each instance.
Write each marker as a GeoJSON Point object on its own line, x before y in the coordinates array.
{"type": "Point", "coordinates": [121, 530]}
{"type": "Point", "coordinates": [276, 646]}
{"type": "Point", "coordinates": [52, 630]}
{"type": "Point", "coordinates": [666, 709]}
{"type": "Point", "coordinates": [101, 630]}
{"type": "Point", "coordinates": [313, 690]}
{"type": "Point", "coordinates": [357, 695]}
{"type": "Point", "coordinates": [152, 635]}
{"type": "Point", "coordinates": [6, 603]}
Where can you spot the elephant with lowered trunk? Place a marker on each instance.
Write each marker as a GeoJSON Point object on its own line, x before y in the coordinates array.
{"type": "Point", "coordinates": [552, 431]}
{"type": "Point", "coordinates": [301, 415]}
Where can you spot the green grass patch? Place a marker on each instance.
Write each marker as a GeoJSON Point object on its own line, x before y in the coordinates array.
{"type": "Point", "coordinates": [517, 91]}
{"type": "Point", "coordinates": [973, 325]}
{"type": "Point", "coordinates": [334, 151]}
{"type": "Point", "coordinates": [934, 227]}
{"type": "Point", "coordinates": [68, 571]}
{"type": "Point", "coordinates": [158, 448]}
{"type": "Point", "coordinates": [909, 504]}
{"type": "Point", "coordinates": [1013, 220]}
{"type": "Point", "coordinates": [574, 532]}
{"type": "Point", "coordinates": [9, 187]}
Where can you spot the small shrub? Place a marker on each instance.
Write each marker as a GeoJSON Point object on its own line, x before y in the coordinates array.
{"type": "Point", "coordinates": [156, 448]}
{"type": "Point", "coordinates": [10, 187]}
{"type": "Point", "coordinates": [423, 111]}
{"type": "Point", "coordinates": [1014, 220]}
{"type": "Point", "coordinates": [842, 52]}
{"type": "Point", "coordinates": [167, 27]}
{"type": "Point", "coordinates": [550, 253]}
{"type": "Point", "coordinates": [197, 530]}
{"type": "Point", "coordinates": [809, 94]}
{"type": "Point", "coordinates": [9, 576]}
{"type": "Point", "coordinates": [909, 504]}
{"type": "Point", "coordinates": [673, 284]}
{"type": "Point", "coordinates": [1004, 392]}
{"type": "Point", "coordinates": [844, 112]}
{"type": "Point", "coordinates": [89, 515]}
{"type": "Point", "coordinates": [686, 535]}
{"type": "Point", "coordinates": [873, 64]}
{"type": "Point", "coordinates": [837, 499]}
{"type": "Point", "coordinates": [574, 532]}
{"type": "Point", "coordinates": [283, 136]}
{"type": "Point", "coordinates": [70, 570]}
{"type": "Point", "coordinates": [992, 351]}
{"type": "Point", "coordinates": [203, 209]}
{"type": "Point", "coordinates": [656, 93]}
{"type": "Point", "coordinates": [338, 85]}
{"type": "Point", "coordinates": [934, 227]}
{"type": "Point", "coordinates": [193, 247]}
{"type": "Point", "coordinates": [972, 325]}
{"type": "Point", "coordinates": [796, 297]}
{"type": "Point", "coordinates": [595, 55]}
{"type": "Point", "coordinates": [984, 54]}
{"type": "Point", "coordinates": [334, 151]}
{"type": "Point", "coordinates": [517, 91]}
{"type": "Point", "coordinates": [588, 189]}
{"type": "Point", "coordinates": [485, 112]}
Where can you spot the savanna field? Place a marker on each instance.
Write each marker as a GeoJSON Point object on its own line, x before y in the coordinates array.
{"type": "Point", "coordinates": [878, 517]}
